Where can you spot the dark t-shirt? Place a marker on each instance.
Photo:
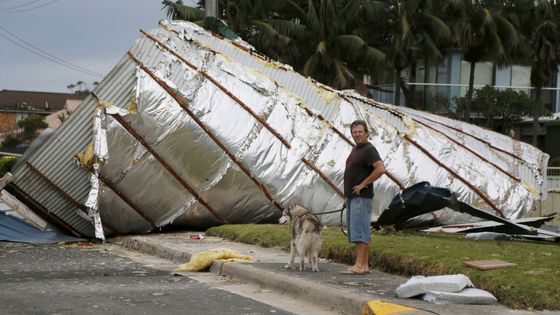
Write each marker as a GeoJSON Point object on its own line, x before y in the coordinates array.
{"type": "Point", "coordinates": [359, 165]}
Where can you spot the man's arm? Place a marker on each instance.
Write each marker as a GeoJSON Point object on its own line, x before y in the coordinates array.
{"type": "Point", "coordinates": [378, 170]}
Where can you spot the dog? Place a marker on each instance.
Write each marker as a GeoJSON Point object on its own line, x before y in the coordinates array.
{"type": "Point", "coordinates": [307, 238]}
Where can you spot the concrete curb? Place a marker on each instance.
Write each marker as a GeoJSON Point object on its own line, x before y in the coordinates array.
{"type": "Point", "coordinates": [316, 293]}
{"type": "Point", "coordinates": [329, 297]}
{"type": "Point", "coordinates": [154, 249]}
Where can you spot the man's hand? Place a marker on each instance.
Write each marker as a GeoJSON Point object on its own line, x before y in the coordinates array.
{"type": "Point", "coordinates": [356, 190]}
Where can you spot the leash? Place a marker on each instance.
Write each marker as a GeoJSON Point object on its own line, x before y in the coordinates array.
{"type": "Point", "coordinates": [333, 211]}
{"type": "Point", "coordinates": [341, 210]}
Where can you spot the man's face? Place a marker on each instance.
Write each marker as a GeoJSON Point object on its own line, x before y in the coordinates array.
{"type": "Point", "coordinates": [359, 134]}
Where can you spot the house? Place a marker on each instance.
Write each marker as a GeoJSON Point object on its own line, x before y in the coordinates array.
{"type": "Point", "coordinates": [435, 88]}
{"type": "Point", "coordinates": [442, 83]}
{"type": "Point", "coordinates": [548, 134]}
{"type": "Point", "coordinates": [16, 105]}
{"type": "Point", "coordinates": [55, 119]}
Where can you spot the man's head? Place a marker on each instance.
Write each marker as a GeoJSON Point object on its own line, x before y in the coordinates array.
{"type": "Point", "coordinates": [359, 131]}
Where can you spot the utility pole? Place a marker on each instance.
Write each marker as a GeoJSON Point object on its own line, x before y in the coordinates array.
{"type": "Point", "coordinates": [211, 8]}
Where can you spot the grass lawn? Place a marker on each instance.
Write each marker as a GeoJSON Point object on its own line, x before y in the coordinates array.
{"type": "Point", "coordinates": [533, 284]}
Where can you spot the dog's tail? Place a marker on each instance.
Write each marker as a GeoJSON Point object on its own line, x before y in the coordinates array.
{"type": "Point", "coordinates": [311, 224]}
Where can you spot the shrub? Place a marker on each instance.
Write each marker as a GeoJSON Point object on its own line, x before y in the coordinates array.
{"type": "Point", "coordinates": [6, 164]}
{"type": "Point", "coordinates": [11, 141]}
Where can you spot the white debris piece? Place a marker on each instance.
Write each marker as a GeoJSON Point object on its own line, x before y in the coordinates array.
{"type": "Point", "coordinates": [491, 236]}
{"type": "Point", "coordinates": [420, 285]}
{"type": "Point", "coordinates": [466, 296]}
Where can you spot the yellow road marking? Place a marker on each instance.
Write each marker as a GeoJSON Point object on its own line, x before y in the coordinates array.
{"type": "Point", "coordinates": [378, 307]}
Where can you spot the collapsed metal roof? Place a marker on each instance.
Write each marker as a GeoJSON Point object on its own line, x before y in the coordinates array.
{"type": "Point", "coordinates": [195, 130]}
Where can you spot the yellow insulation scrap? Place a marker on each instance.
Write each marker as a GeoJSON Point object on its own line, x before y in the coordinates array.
{"type": "Point", "coordinates": [86, 158]}
{"type": "Point", "coordinates": [411, 125]}
{"type": "Point", "coordinates": [132, 106]}
{"type": "Point", "coordinates": [204, 259]}
{"type": "Point", "coordinates": [104, 104]}
{"type": "Point", "coordinates": [531, 188]}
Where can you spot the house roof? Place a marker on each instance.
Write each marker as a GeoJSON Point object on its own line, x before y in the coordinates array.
{"type": "Point", "coordinates": [11, 100]}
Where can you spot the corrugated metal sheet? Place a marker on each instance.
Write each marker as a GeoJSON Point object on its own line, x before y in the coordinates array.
{"type": "Point", "coordinates": [55, 158]}
{"type": "Point", "coordinates": [486, 169]}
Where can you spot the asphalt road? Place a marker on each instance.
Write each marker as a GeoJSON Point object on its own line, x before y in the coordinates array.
{"type": "Point", "coordinates": [77, 279]}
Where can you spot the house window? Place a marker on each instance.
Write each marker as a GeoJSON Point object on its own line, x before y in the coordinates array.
{"type": "Point", "coordinates": [483, 75]}
{"type": "Point", "coordinates": [521, 77]}
{"type": "Point", "coordinates": [20, 116]}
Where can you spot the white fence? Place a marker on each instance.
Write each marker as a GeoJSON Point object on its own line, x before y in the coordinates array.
{"type": "Point", "coordinates": [553, 178]}
{"type": "Point", "coordinates": [552, 202]}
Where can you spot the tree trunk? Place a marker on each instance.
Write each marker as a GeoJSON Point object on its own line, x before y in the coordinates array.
{"type": "Point", "coordinates": [468, 97]}
{"type": "Point", "coordinates": [536, 114]}
{"type": "Point", "coordinates": [408, 96]}
{"type": "Point", "coordinates": [411, 102]}
{"type": "Point", "coordinates": [360, 86]}
{"type": "Point", "coordinates": [397, 87]}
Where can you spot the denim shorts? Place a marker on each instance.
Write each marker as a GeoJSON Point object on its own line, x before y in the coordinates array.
{"type": "Point", "coordinates": [358, 217]}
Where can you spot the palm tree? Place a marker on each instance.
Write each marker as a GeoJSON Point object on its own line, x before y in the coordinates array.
{"type": "Point", "coordinates": [318, 38]}
{"type": "Point", "coordinates": [323, 40]}
{"type": "Point", "coordinates": [483, 34]}
{"type": "Point", "coordinates": [539, 22]}
{"type": "Point", "coordinates": [410, 30]}
{"type": "Point", "coordinates": [247, 18]}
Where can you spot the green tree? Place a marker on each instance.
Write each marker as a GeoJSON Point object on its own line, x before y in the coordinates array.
{"type": "Point", "coordinates": [6, 164]}
{"type": "Point", "coordinates": [499, 109]}
{"type": "Point", "coordinates": [11, 141]}
{"type": "Point", "coordinates": [30, 127]}
{"type": "Point", "coordinates": [483, 33]}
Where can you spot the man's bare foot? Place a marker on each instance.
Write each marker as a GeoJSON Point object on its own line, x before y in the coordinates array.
{"type": "Point", "coordinates": [354, 271]}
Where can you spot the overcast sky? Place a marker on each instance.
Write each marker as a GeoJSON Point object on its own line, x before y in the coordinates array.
{"type": "Point", "coordinates": [91, 35]}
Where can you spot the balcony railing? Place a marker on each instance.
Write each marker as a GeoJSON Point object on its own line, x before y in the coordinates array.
{"type": "Point", "coordinates": [553, 172]}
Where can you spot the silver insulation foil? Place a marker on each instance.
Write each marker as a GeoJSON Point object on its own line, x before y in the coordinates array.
{"type": "Point", "coordinates": [220, 134]}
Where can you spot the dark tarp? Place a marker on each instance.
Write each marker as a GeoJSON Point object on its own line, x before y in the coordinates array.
{"type": "Point", "coordinates": [14, 229]}
{"type": "Point", "coordinates": [423, 198]}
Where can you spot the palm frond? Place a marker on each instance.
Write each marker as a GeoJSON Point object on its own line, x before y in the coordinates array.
{"type": "Point", "coordinates": [332, 23]}
{"type": "Point", "coordinates": [340, 78]}
{"type": "Point", "coordinates": [372, 10]}
{"type": "Point", "coordinates": [267, 36]}
{"type": "Point", "coordinates": [351, 44]}
{"type": "Point", "coordinates": [406, 32]}
{"type": "Point", "coordinates": [373, 58]}
{"type": "Point", "coordinates": [439, 30]}
{"type": "Point", "coordinates": [310, 65]}
{"type": "Point", "coordinates": [313, 21]}
{"type": "Point", "coordinates": [498, 52]}
{"type": "Point", "coordinates": [350, 11]}
{"type": "Point", "coordinates": [430, 49]}
{"type": "Point", "coordinates": [288, 28]}
{"type": "Point", "coordinates": [484, 18]}
{"type": "Point", "coordinates": [291, 8]}
{"type": "Point", "coordinates": [507, 31]}
{"type": "Point", "coordinates": [177, 11]}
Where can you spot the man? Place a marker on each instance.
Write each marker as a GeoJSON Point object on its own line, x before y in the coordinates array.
{"type": "Point", "coordinates": [363, 167]}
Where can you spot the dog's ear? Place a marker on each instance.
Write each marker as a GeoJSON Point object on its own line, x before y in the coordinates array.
{"type": "Point", "coordinates": [298, 210]}
{"type": "Point", "coordinates": [283, 219]}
